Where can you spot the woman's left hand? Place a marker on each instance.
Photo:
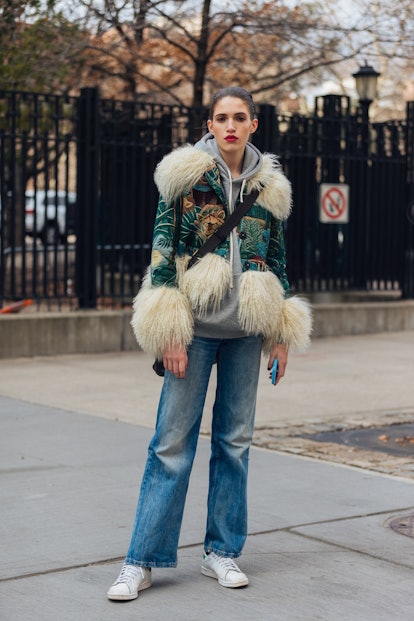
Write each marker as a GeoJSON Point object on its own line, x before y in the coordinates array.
{"type": "Point", "coordinates": [175, 360]}
{"type": "Point", "coordinates": [281, 353]}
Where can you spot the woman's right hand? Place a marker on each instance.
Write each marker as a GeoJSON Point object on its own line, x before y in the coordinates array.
{"type": "Point", "coordinates": [175, 360]}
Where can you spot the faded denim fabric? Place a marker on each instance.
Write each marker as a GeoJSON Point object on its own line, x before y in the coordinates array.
{"type": "Point", "coordinates": [172, 449]}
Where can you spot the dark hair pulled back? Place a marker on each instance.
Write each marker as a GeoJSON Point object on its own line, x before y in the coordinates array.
{"type": "Point", "coordinates": [233, 91]}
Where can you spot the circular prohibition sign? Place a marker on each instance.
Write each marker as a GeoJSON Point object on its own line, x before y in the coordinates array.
{"type": "Point", "coordinates": [334, 203]}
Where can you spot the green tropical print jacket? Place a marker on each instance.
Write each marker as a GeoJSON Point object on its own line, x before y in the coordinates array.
{"type": "Point", "coordinates": [184, 222]}
{"type": "Point", "coordinates": [191, 207]}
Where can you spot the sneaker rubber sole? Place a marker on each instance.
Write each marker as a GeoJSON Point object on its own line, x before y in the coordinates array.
{"type": "Point", "coordinates": [126, 598]}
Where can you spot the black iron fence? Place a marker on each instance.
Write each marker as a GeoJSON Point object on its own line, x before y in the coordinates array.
{"type": "Point", "coordinates": [77, 198]}
{"type": "Point", "coordinates": [37, 195]}
{"type": "Point", "coordinates": [339, 161]}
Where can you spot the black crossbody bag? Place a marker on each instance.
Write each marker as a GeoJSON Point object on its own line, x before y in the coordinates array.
{"type": "Point", "coordinates": [213, 241]}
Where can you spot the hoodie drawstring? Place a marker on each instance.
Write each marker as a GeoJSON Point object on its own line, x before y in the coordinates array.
{"type": "Point", "coordinates": [231, 208]}
{"type": "Point", "coordinates": [242, 190]}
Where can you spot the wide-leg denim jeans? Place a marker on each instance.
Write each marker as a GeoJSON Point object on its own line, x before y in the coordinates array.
{"type": "Point", "coordinates": [171, 452]}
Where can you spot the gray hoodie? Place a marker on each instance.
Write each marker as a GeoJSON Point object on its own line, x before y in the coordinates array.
{"type": "Point", "coordinates": [223, 323]}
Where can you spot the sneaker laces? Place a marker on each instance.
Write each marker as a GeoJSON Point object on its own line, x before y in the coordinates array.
{"type": "Point", "coordinates": [227, 563]}
{"type": "Point", "coordinates": [128, 574]}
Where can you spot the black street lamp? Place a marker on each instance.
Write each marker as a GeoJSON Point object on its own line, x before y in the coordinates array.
{"type": "Point", "coordinates": [366, 85]}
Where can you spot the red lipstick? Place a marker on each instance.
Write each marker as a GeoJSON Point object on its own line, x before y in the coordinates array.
{"type": "Point", "coordinates": [231, 138]}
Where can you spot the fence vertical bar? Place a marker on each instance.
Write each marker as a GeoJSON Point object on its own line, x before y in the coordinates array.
{"type": "Point", "coordinates": [266, 136]}
{"type": "Point", "coordinates": [87, 196]}
{"type": "Point", "coordinates": [408, 275]}
{"type": "Point", "coordinates": [3, 207]}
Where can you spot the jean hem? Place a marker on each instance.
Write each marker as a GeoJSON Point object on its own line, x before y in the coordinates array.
{"type": "Point", "coordinates": [209, 549]}
{"type": "Point", "coordinates": [149, 564]}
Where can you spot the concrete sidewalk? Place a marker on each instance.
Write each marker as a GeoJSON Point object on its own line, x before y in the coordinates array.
{"type": "Point", "coordinates": [74, 432]}
{"type": "Point", "coordinates": [342, 378]}
{"type": "Point", "coordinates": [340, 383]}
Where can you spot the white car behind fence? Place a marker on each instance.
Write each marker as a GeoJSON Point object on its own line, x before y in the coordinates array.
{"type": "Point", "coordinates": [50, 215]}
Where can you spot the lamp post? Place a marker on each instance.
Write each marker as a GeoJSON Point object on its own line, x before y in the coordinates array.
{"type": "Point", "coordinates": [366, 85]}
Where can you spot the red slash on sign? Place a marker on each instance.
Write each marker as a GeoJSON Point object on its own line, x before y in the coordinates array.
{"type": "Point", "coordinates": [334, 202]}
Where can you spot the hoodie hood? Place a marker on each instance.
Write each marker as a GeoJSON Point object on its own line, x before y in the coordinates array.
{"type": "Point", "coordinates": [252, 162]}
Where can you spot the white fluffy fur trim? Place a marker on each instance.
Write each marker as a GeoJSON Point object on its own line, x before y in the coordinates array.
{"type": "Point", "coordinates": [180, 170]}
{"type": "Point", "coordinates": [206, 283]}
{"type": "Point", "coordinates": [161, 317]}
{"type": "Point", "coordinates": [294, 327]}
{"type": "Point", "coordinates": [276, 192]}
{"type": "Point", "coordinates": [181, 267]}
{"type": "Point", "coordinates": [260, 302]}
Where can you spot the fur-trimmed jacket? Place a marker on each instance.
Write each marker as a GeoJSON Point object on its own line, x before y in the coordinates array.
{"type": "Point", "coordinates": [191, 207]}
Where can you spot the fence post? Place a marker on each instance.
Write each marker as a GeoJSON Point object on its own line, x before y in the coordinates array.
{"type": "Point", "coordinates": [265, 138]}
{"type": "Point", "coordinates": [408, 275]}
{"type": "Point", "coordinates": [87, 197]}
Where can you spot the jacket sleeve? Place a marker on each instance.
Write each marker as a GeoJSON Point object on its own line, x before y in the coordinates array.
{"type": "Point", "coordinates": [161, 313]}
{"type": "Point", "coordinates": [164, 243]}
{"type": "Point", "coordinates": [276, 257]}
{"type": "Point", "coordinates": [295, 322]}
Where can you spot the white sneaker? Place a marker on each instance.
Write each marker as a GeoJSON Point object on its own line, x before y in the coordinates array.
{"type": "Point", "coordinates": [224, 569]}
{"type": "Point", "coordinates": [131, 580]}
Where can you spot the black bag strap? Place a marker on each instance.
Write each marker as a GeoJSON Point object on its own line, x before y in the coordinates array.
{"type": "Point", "coordinates": [224, 230]}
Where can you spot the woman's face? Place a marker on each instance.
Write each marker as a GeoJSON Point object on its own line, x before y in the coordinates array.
{"type": "Point", "coordinates": [231, 125]}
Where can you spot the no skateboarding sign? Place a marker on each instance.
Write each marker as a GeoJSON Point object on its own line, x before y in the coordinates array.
{"type": "Point", "coordinates": [334, 203]}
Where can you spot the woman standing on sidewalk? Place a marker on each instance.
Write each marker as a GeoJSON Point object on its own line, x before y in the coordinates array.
{"type": "Point", "coordinates": [227, 308]}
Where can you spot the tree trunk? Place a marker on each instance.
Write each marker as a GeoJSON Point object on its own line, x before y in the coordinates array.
{"type": "Point", "coordinates": [140, 21]}
{"type": "Point", "coordinates": [196, 128]}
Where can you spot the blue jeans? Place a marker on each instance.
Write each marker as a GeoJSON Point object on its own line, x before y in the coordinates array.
{"type": "Point", "coordinates": [171, 452]}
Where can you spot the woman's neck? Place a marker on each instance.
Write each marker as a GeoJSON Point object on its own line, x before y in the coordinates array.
{"type": "Point", "coordinates": [234, 163]}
